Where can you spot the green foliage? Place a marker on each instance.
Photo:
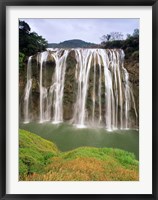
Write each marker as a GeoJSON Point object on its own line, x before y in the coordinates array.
{"type": "Point", "coordinates": [30, 42]}
{"type": "Point", "coordinates": [136, 33]}
{"type": "Point", "coordinates": [129, 45]}
{"type": "Point", "coordinates": [124, 157]}
{"type": "Point", "coordinates": [34, 153]}
{"type": "Point", "coordinates": [135, 55]}
{"type": "Point", "coordinates": [23, 169]}
{"type": "Point", "coordinates": [113, 44]}
{"type": "Point", "coordinates": [113, 36]}
{"type": "Point", "coordinates": [21, 60]}
{"type": "Point", "coordinates": [24, 26]}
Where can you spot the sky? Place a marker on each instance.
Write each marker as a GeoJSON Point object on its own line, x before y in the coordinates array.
{"type": "Point", "coordinates": [89, 30]}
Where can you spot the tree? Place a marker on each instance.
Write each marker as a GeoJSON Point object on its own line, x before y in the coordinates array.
{"type": "Point", "coordinates": [105, 38]}
{"type": "Point", "coordinates": [30, 42]}
{"type": "Point", "coordinates": [113, 36]}
{"type": "Point", "coordinates": [116, 36]}
{"type": "Point", "coordinates": [128, 36]}
{"type": "Point", "coordinates": [24, 26]}
{"type": "Point", "coordinates": [21, 60]}
{"type": "Point", "coordinates": [130, 45]}
{"type": "Point", "coordinates": [136, 33]}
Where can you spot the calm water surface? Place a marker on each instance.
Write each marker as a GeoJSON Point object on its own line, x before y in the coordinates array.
{"type": "Point", "coordinates": [67, 137]}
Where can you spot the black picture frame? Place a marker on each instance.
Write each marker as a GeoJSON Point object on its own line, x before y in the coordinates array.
{"type": "Point", "coordinates": [3, 5]}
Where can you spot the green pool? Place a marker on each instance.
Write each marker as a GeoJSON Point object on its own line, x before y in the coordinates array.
{"type": "Point", "coordinates": [67, 137]}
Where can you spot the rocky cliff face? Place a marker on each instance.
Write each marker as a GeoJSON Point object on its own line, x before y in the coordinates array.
{"type": "Point", "coordinates": [132, 66]}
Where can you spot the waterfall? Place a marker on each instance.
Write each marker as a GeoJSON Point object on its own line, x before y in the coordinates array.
{"type": "Point", "coordinates": [82, 68]}
{"type": "Point", "coordinates": [55, 92]}
{"type": "Point", "coordinates": [99, 91]}
{"type": "Point", "coordinates": [57, 86]}
{"type": "Point", "coordinates": [27, 92]}
{"type": "Point", "coordinates": [103, 94]}
{"type": "Point", "coordinates": [43, 91]}
{"type": "Point", "coordinates": [94, 87]}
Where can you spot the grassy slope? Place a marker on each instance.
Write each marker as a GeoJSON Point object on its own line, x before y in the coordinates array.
{"type": "Point", "coordinates": [41, 160]}
{"type": "Point", "coordinates": [34, 153]}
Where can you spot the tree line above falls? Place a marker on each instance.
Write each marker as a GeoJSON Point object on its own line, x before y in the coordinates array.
{"type": "Point", "coordinates": [30, 43]}
{"type": "Point", "coordinates": [113, 40]}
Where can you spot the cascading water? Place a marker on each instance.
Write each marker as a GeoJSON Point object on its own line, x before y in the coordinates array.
{"type": "Point", "coordinates": [57, 86]}
{"type": "Point", "coordinates": [27, 92]}
{"type": "Point", "coordinates": [53, 96]}
{"type": "Point", "coordinates": [82, 75]}
{"type": "Point", "coordinates": [94, 88]}
{"type": "Point", "coordinates": [111, 98]}
{"type": "Point", "coordinates": [43, 91]}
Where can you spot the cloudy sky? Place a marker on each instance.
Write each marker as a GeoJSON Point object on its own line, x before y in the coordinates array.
{"type": "Point", "coordinates": [89, 30]}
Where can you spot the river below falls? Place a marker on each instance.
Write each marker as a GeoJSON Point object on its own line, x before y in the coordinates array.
{"type": "Point", "coordinates": [67, 137]}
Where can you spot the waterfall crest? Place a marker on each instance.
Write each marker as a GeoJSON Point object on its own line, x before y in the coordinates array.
{"type": "Point", "coordinates": [103, 93]}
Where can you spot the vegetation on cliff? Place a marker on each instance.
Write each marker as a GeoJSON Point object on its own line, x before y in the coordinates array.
{"type": "Point", "coordinates": [130, 45]}
{"type": "Point", "coordinates": [40, 160]}
{"type": "Point", "coordinates": [29, 43]}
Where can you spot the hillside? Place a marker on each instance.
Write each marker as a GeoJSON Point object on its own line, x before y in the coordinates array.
{"type": "Point", "coordinates": [40, 160]}
{"type": "Point", "coordinates": [76, 43]}
{"type": "Point", "coordinates": [34, 153]}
